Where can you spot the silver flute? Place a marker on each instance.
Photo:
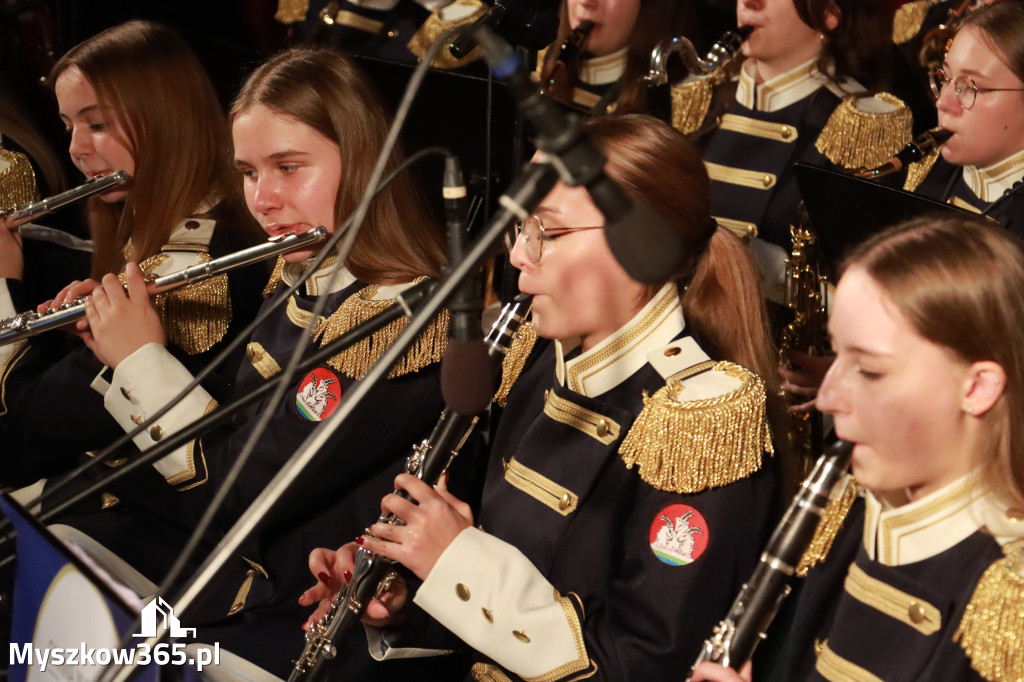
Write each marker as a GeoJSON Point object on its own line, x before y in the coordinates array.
{"type": "Point", "coordinates": [735, 637]}
{"type": "Point", "coordinates": [30, 323]}
{"type": "Point", "coordinates": [100, 183]}
{"type": "Point", "coordinates": [372, 573]}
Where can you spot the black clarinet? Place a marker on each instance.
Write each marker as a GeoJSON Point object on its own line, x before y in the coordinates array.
{"type": "Point", "coordinates": [735, 638]}
{"type": "Point", "coordinates": [371, 575]}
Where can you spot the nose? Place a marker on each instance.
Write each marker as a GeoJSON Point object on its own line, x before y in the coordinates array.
{"type": "Point", "coordinates": [265, 196]}
{"type": "Point", "coordinates": [830, 395]}
{"type": "Point", "coordinates": [80, 144]}
{"type": "Point", "coordinates": [518, 258]}
{"type": "Point", "coordinates": [947, 102]}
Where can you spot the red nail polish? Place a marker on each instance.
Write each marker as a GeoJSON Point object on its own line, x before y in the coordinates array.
{"type": "Point", "coordinates": [348, 576]}
{"type": "Point", "coordinates": [324, 577]}
{"type": "Point", "coordinates": [360, 540]}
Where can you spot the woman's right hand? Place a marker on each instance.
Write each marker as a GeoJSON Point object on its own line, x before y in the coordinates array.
{"type": "Point", "coordinates": [120, 323]}
{"type": "Point", "coordinates": [719, 673]}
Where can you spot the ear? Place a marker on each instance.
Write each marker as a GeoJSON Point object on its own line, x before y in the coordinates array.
{"type": "Point", "coordinates": [833, 15]}
{"type": "Point", "coordinates": [985, 383]}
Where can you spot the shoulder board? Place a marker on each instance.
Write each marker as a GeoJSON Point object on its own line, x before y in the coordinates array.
{"type": "Point", "coordinates": [831, 521]}
{"type": "Point", "coordinates": [357, 360]}
{"type": "Point", "coordinates": [866, 131]}
{"type": "Point", "coordinates": [909, 18]}
{"type": "Point", "coordinates": [707, 427]}
{"type": "Point", "coordinates": [291, 11]}
{"type": "Point", "coordinates": [991, 631]}
{"type": "Point", "coordinates": [690, 104]}
{"type": "Point", "coordinates": [515, 360]}
{"type": "Point", "coordinates": [458, 13]}
{"type": "Point", "coordinates": [918, 171]}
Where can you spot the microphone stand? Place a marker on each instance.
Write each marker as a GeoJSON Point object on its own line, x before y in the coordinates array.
{"type": "Point", "coordinates": [517, 203]}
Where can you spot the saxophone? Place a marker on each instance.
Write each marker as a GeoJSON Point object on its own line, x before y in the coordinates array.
{"type": "Point", "coordinates": [372, 573]}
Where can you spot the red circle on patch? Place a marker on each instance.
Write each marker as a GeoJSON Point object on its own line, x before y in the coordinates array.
{"type": "Point", "coordinates": [678, 535]}
{"type": "Point", "coordinates": [318, 395]}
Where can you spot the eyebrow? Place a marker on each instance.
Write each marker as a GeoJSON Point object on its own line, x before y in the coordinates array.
{"type": "Point", "coordinates": [549, 210]}
{"type": "Point", "coordinates": [276, 156]}
{"type": "Point", "coordinates": [966, 72]}
{"type": "Point", "coordinates": [80, 112]}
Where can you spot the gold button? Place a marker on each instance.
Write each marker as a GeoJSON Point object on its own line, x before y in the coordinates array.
{"type": "Point", "coordinates": [138, 419]}
{"type": "Point", "coordinates": [767, 182]}
{"type": "Point", "coordinates": [521, 636]}
{"type": "Point", "coordinates": [504, 464]}
{"type": "Point", "coordinates": [462, 592]}
{"type": "Point", "coordinates": [126, 393]}
{"type": "Point", "coordinates": [1015, 514]}
{"type": "Point", "coordinates": [156, 433]}
{"type": "Point", "coordinates": [786, 132]}
{"type": "Point", "coordinates": [191, 224]}
{"type": "Point", "coordinates": [916, 613]}
{"type": "Point", "coordinates": [392, 33]}
{"type": "Point", "coordinates": [601, 428]}
{"type": "Point", "coordinates": [563, 503]}
{"type": "Point", "coordinates": [547, 392]}
{"type": "Point", "coordinates": [672, 350]}
{"type": "Point", "coordinates": [488, 615]}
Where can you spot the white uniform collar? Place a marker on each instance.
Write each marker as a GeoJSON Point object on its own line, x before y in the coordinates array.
{"type": "Point", "coordinates": [894, 536]}
{"type": "Point", "coordinates": [781, 91]}
{"type": "Point", "coordinates": [619, 356]}
{"type": "Point", "coordinates": [988, 184]}
{"type": "Point", "coordinates": [318, 282]}
{"type": "Point", "coordinates": [604, 70]}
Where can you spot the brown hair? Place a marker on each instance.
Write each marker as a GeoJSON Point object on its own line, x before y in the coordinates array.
{"type": "Point", "coordinates": [656, 21]}
{"type": "Point", "coordinates": [1002, 25]}
{"type": "Point", "coordinates": [860, 46]}
{"type": "Point", "coordinates": [175, 129]}
{"type": "Point", "coordinates": [959, 281]}
{"type": "Point", "coordinates": [719, 284]}
{"type": "Point", "coordinates": [326, 91]}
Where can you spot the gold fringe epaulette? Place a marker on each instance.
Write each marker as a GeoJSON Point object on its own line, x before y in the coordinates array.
{"type": "Point", "coordinates": [291, 11]}
{"type": "Point", "coordinates": [695, 445]}
{"type": "Point", "coordinates": [908, 20]}
{"type": "Point", "coordinates": [515, 360]}
{"type": "Point", "coordinates": [195, 317]}
{"type": "Point", "coordinates": [991, 631]}
{"type": "Point", "coordinates": [17, 181]}
{"type": "Point", "coordinates": [690, 104]}
{"type": "Point", "coordinates": [432, 29]}
{"type": "Point", "coordinates": [831, 521]}
{"type": "Point", "coordinates": [854, 138]}
{"type": "Point", "coordinates": [275, 278]}
{"type": "Point", "coordinates": [918, 171]}
{"type": "Point", "coordinates": [357, 360]}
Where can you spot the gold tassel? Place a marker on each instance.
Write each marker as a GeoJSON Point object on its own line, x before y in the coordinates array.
{"type": "Point", "coordinates": [908, 20]}
{"type": "Point", "coordinates": [991, 631]}
{"type": "Point", "coordinates": [275, 278]}
{"type": "Point", "coordinates": [690, 103]}
{"type": "Point", "coordinates": [357, 360]}
{"type": "Point", "coordinates": [291, 11]}
{"type": "Point", "coordinates": [692, 446]}
{"type": "Point", "coordinates": [917, 172]}
{"type": "Point", "coordinates": [831, 521]}
{"type": "Point", "coordinates": [515, 360]}
{"type": "Point", "coordinates": [17, 181]}
{"type": "Point", "coordinates": [432, 29]}
{"type": "Point", "coordinates": [853, 138]}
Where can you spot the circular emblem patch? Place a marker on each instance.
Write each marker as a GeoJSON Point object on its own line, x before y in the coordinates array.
{"type": "Point", "coordinates": [679, 535]}
{"type": "Point", "coordinates": [318, 394]}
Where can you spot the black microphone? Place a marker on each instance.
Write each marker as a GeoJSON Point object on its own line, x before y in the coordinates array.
{"type": "Point", "coordinates": [640, 238]}
{"type": "Point", "coordinates": [467, 380]}
{"type": "Point", "coordinates": [532, 24]}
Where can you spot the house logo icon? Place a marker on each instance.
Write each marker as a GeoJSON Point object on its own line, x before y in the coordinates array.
{"type": "Point", "coordinates": [159, 610]}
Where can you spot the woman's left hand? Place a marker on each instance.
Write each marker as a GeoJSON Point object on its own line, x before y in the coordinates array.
{"type": "Point", "coordinates": [120, 323]}
{"type": "Point", "coordinates": [430, 526]}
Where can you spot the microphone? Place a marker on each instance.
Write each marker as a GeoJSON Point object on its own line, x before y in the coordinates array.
{"type": "Point", "coordinates": [466, 375]}
{"type": "Point", "coordinates": [532, 24]}
{"type": "Point", "coordinates": [643, 242]}
{"type": "Point", "coordinates": [916, 149]}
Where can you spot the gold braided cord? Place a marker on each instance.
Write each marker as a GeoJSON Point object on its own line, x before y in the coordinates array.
{"type": "Point", "coordinates": [917, 172]}
{"type": "Point", "coordinates": [991, 631]}
{"type": "Point", "coordinates": [515, 360]}
{"type": "Point", "coordinates": [355, 361]}
{"type": "Point", "coordinates": [908, 20]}
{"type": "Point", "coordinates": [690, 104]}
{"type": "Point", "coordinates": [853, 138]}
{"type": "Point", "coordinates": [432, 29]}
{"type": "Point", "coordinates": [17, 181]}
{"type": "Point", "coordinates": [291, 11]}
{"type": "Point", "coordinates": [692, 446]}
{"type": "Point", "coordinates": [829, 526]}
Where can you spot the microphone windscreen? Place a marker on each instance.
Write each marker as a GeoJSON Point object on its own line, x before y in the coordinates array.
{"type": "Point", "coordinates": [467, 376]}
{"type": "Point", "coordinates": [645, 245]}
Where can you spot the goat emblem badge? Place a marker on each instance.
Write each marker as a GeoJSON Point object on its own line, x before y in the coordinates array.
{"type": "Point", "coordinates": [679, 535]}
{"type": "Point", "coordinates": [318, 394]}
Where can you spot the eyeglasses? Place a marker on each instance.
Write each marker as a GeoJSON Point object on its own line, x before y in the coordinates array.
{"type": "Point", "coordinates": [533, 234]}
{"type": "Point", "coordinates": [964, 89]}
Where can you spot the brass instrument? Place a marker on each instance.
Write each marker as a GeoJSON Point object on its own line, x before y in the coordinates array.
{"type": "Point", "coordinates": [31, 323]}
{"type": "Point", "coordinates": [372, 575]}
{"type": "Point", "coordinates": [98, 184]}
{"type": "Point", "coordinates": [935, 42]}
{"type": "Point", "coordinates": [568, 54]}
{"type": "Point", "coordinates": [736, 636]}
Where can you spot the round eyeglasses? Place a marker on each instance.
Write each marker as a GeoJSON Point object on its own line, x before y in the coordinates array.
{"type": "Point", "coordinates": [533, 235]}
{"type": "Point", "coordinates": [964, 89]}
